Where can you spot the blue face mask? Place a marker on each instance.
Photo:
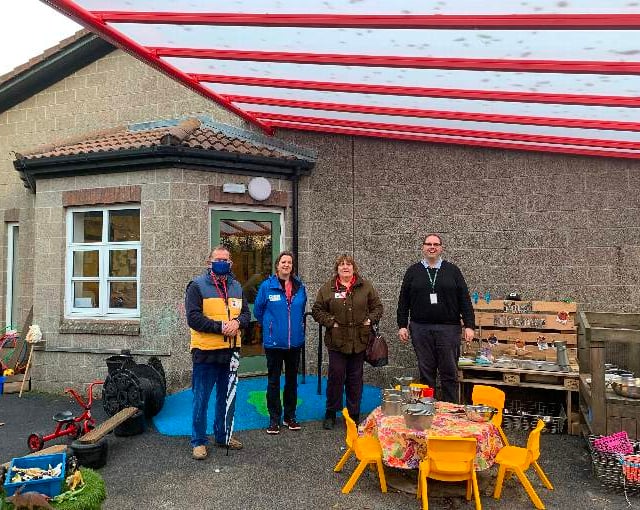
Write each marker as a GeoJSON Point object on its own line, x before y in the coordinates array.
{"type": "Point", "coordinates": [221, 267]}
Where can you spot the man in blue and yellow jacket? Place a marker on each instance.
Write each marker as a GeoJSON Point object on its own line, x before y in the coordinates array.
{"type": "Point", "coordinates": [216, 311]}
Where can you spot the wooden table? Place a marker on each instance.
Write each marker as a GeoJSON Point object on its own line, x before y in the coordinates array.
{"type": "Point", "coordinates": [404, 448]}
{"type": "Point", "coordinates": [568, 382]}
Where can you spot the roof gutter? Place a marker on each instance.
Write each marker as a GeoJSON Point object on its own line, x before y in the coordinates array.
{"type": "Point", "coordinates": [149, 158]}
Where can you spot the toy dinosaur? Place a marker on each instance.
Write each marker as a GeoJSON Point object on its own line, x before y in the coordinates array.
{"type": "Point", "coordinates": [29, 500]}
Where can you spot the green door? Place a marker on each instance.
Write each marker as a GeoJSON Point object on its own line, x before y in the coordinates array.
{"type": "Point", "coordinates": [253, 238]}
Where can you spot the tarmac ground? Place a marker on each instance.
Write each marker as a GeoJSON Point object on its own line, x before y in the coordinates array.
{"type": "Point", "coordinates": [291, 470]}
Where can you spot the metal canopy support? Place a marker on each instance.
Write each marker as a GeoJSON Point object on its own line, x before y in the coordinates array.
{"type": "Point", "coordinates": [564, 79]}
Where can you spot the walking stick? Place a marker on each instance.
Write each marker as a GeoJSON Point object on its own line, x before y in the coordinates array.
{"type": "Point", "coordinates": [26, 369]}
{"type": "Point", "coordinates": [34, 335]}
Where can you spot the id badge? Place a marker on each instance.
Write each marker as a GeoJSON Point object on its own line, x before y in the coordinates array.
{"type": "Point", "coordinates": [340, 295]}
{"type": "Point", "coordinates": [434, 298]}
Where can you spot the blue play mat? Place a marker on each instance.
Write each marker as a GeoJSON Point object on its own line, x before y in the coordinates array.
{"type": "Point", "coordinates": [175, 417]}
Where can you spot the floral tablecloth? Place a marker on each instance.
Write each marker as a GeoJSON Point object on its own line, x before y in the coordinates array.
{"type": "Point", "coordinates": [404, 448]}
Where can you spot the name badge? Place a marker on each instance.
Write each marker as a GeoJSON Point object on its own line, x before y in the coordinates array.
{"type": "Point", "coordinates": [274, 297]}
{"type": "Point", "coordinates": [340, 295]}
{"type": "Point", "coordinates": [235, 303]}
{"type": "Point", "coordinates": [434, 298]}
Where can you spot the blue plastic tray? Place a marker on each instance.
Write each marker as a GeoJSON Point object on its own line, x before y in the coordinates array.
{"type": "Point", "coordinates": [49, 486]}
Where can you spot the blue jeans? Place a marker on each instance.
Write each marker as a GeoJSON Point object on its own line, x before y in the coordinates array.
{"type": "Point", "coordinates": [205, 376]}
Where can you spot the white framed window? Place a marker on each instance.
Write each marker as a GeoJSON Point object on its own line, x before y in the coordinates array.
{"type": "Point", "coordinates": [103, 262]}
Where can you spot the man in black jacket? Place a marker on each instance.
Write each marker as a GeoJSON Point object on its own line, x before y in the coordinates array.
{"type": "Point", "coordinates": [435, 296]}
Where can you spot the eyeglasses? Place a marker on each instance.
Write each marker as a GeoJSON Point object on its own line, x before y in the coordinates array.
{"type": "Point", "coordinates": [220, 260]}
{"type": "Point", "coordinates": [432, 244]}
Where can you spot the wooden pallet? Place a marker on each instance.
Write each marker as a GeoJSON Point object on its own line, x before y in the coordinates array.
{"type": "Point", "coordinates": [93, 436]}
{"type": "Point", "coordinates": [494, 318]}
{"type": "Point", "coordinates": [56, 448]}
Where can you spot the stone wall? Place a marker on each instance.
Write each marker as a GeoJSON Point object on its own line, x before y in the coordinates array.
{"type": "Point", "coordinates": [175, 241]}
{"type": "Point", "coordinates": [549, 226]}
{"type": "Point", "coordinates": [113, 91]}
{"type": "Point", "coordinates": [546, 225]}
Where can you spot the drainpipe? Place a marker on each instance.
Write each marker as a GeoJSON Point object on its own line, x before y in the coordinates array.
{"type": "Point", "coordinates": [295, 182]}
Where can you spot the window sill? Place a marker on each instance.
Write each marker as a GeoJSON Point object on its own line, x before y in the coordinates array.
{"type": "Point", "coordinates": [129, 327]}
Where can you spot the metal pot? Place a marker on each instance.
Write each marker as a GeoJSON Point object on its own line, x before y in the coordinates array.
{"type": "Point", "coordinates": [418, 421]}
{"type": "Point", "coordinates": [392, 405]}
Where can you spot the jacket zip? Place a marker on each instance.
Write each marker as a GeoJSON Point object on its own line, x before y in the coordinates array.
{"type": "Point", "coordinates": [289, 318]}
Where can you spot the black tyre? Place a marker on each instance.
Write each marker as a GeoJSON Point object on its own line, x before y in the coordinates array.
{"type": "Point", "coordinates": [135, 425]}
{"type": "Point", "coordinates": [91, 455]}
{"type": "Point", "coordinates": [35, 442]}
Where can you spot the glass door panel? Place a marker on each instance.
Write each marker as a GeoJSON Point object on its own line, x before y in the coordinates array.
{"type": "Point", "coordinates": [253, 238]}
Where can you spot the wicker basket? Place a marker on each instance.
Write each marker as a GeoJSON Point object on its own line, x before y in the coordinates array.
{"type": "Point", "coordinates": [608, 467]}
{"type": "Point", "coordinates": [518, 415]}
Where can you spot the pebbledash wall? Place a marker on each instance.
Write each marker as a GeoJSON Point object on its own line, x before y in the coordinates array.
{"type": "Point", "coordinates": [547, 226]}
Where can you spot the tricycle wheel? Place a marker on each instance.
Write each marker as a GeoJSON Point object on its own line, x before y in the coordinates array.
{"type": "Point", "coordinates": [35, 442]}
{"type": "Point", "coordinates": [77, 431]}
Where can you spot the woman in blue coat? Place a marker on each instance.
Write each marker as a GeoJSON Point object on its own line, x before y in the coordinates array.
{"type": "Point", "coordinates": [279, 307]}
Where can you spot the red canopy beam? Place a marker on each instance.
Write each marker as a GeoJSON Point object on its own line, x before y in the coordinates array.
{"type": "Point", "coordinates": [587, 142]}
{"type": "Point", "coordinates": [392, 90]}
{"type": "Point", "coordinates": [441, 114]}
{"type": "Point", "coordinates": [86, 18]}
{"type": "Point", "coordinates": [478, 64]}
{"type": "Point", "coordinates": [400, 21]}
{"type": "Point", "coordinates": [326, 128]}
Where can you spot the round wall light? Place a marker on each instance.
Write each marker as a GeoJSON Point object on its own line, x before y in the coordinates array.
{"type": "Point", "coordinates": [259, 188]}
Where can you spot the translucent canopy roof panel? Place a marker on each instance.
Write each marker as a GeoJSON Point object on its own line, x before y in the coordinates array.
{"type": "Point", "coordinates": [542, 75]}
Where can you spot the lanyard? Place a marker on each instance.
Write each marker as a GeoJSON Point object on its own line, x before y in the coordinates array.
{"type": "Point", "coordinates": [221, 294]}
{"type": "Point", "coordinates": [433, 280]}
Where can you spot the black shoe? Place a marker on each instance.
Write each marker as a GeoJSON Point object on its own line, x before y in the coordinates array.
{"type": "Point", "coordinates": [292, 424]}
{"type": "Point", "coordinates": [274, 428]}
{"type": "Point", "coordinates": [329, 420]}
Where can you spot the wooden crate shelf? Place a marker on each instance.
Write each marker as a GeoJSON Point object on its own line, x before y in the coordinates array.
{"type": "Point", "coordinates": [567, 382]}
{"type": "Point", "coordinates": [510, 321]}
{"type": "Point", "coordinates": [540, 319]}
{"type": "Point", "coordinates": [603, 338]}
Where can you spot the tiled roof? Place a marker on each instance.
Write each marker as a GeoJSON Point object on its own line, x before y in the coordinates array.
{"type": "Point", "coordinates": [44, 55]}
{"type": "Point", "coordinates": [192, 133]}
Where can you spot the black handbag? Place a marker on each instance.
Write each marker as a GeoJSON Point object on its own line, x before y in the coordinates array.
{"type": "Point", "coordinates": [377, 353]}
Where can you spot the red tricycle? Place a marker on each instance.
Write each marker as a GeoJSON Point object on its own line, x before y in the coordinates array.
{"type": "Point", "coordinates": [67, 423]}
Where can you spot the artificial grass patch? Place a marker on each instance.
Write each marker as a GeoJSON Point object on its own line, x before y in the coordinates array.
{"type": "Point", "coordinates": [89, 497]}
{"type": "Point", "coordinates": [258, 399]}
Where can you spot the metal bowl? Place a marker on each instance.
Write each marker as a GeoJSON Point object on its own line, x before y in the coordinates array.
{"type": "Point", "coordinates": [480, 414]}
{"type": "Point", "coordinates": [627, 387]}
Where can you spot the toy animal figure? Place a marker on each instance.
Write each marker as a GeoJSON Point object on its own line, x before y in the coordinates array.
{"type": "Point", "coordinates": [29, 500]}
{"type": "Point", "coordinates": [75, 480]}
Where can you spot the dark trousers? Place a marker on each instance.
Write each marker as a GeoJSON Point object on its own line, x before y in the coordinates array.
{"type": "Point", "coordinates": [437, 348]}
{"type": "Point", "coordinates": [345, 373]}
{"type": "Point", "coordinates": [291, 360]}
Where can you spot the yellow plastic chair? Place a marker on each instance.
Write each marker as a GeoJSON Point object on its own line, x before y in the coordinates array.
{"type": "Point", "coordinates": [449, 459]}
{"type": "Point", "coordinates": [490, 396]}
{"type": "Point", "coordinates": [349, 439]}
{"type": "Point", "coordinates": [514, 459]}
{"type": "Point", "coordinates": [367, 451]}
